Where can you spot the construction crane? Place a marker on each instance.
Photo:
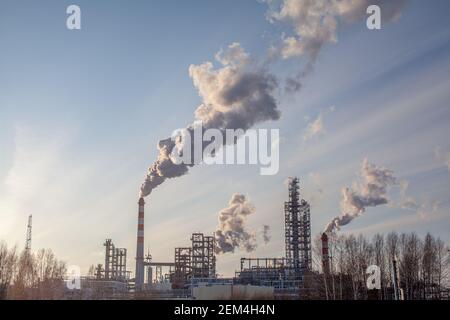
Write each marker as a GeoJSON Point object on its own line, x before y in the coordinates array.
{"type": "Point", "coordinates": [28, 241]}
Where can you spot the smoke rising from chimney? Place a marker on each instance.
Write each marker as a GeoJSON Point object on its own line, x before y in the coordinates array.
{"type": "Point", "coordinates": [231, 232]}
{"type": "Point", "coordinates": [237, 95]}
{"type": "Point", "coordinates": [371, 191]}
{"type": "Point", "coordinates": [316, 22]}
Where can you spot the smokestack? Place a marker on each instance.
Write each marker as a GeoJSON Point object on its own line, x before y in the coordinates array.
{"type": "Point", "coordinates": [139, 280]}
{"type": "Point", "coordinates": [325, 255]}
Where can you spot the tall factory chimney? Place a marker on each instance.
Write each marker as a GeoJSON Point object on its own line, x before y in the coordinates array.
{"type": "Point", "coordinates": [325, 255]}
{"type": "Point", "coordinates": [139, 276]}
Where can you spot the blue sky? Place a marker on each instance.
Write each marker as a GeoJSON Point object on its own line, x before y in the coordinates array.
{"type": "Point", "coordinates": [81, 113]}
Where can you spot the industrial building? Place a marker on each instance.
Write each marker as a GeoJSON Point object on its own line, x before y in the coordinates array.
{"type": "Point", "coordinates": [286, 275]}
{"type": "Point", "coordinates": [110, 280]}
{"type": "Point", "coordinates": [195, 265]}
{"type": "Point", "coordinates": [192, 272]}
{"type": "Point", "coordinates": [190, 263]}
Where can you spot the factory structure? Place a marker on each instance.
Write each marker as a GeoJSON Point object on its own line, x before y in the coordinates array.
{"type": "Point", "coordinates": [285, 274]}
{"type": "Point", "coordinates": [192, 272]}
{"type": "Point", "coordinates": [194, 266]}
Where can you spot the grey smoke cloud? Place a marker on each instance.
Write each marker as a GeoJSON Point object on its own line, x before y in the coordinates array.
{"type": "Point", "coordinates": [315, 23]}
{"type": "Point", "coordinates": [232, 233]}
{"type": "Point", "coordinates": [236, 95]}
{"type": "Point", "coordinates": [371, 191]}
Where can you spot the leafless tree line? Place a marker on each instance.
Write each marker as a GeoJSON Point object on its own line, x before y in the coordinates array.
{"type": "Point", "coordinates": [423, 265]}
{"type": "Point", "coordinates": [27, 275]}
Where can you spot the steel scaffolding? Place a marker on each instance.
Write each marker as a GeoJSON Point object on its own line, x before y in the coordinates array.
{"type": "Point", "coordinates": [274, 272]}
{"type": "Point", "coordinates": [203, 260]}
{"type": "Point", "coordinates": [115, 262]}
{"type": "Point", "coordinates": [297, 229]}
{"type": "Point", "coordinates": [183, 269]}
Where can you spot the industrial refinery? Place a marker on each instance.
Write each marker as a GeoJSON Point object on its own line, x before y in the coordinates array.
{"type": "Point", "coordinates": [192, 272]}
{"type": "Point", "coordinates": [225, 150]}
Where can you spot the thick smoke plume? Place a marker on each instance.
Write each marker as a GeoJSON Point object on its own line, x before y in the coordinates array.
{"type": "Point", "coordinates": [266, 234]}
{"type": "Point", "coordinates": [237, 95]}
{"type": "Point", "coordinates": [371, 191]}
{"type": "Point", "coordinates": [232, 233]}
{"type": "Point", "coordinates": [316, 22]}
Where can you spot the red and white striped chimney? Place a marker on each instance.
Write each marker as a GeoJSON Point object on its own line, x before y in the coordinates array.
{"type": "Point", "coordinates": [325, 254]}
{"type": "Point", "coordinates": [139, 276]}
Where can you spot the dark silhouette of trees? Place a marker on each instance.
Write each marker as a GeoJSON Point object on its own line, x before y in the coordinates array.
{"type": "Point", "coordinates": [423, 266]}
{"type": "Point", "coordinates": [28, 275]}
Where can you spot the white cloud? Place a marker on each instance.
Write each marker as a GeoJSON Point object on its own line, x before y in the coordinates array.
{"type": "Point", "coordinates": [314, 128]}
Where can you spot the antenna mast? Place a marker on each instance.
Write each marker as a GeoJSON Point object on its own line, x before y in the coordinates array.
{"type": "Point", "coordinates": [28, 242]}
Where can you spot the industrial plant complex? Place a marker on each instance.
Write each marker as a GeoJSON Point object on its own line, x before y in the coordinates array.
{"type": "Point", "coordinates": [326, 267]}
{"type": "Point", "coordinates": [192, 272]}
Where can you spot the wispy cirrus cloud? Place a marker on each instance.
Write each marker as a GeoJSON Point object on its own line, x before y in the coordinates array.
{"type": "Point", "coordinates": [316, 128]}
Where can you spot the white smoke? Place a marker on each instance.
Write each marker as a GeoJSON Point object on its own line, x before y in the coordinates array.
{"type": "Point", "coordinates": [316, 22]}
{"type": "Point", "coordinates": [231, 232]}
{"type": "Point", "coordinates": [266, 234]}
{"type": "Point", "coordinates": [371, 191]}
{"type": "Point", "coordinates": [237, 95]}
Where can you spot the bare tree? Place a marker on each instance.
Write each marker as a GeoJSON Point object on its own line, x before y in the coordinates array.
{"type": "Point", "coordinates": [24, 278]}
{"type": "Point", "coordinates": [442, 266]}
{"type": "Point", "coordinates": [8, 262]}
{"type": "Point", "coordinates": [30, 275]}
{"type": "Point", "coordinates": [50, 275]}
{"type": "Point", "coordinates": [381, 261]}
{"type": "Point", "coordinates": [423, 266]}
